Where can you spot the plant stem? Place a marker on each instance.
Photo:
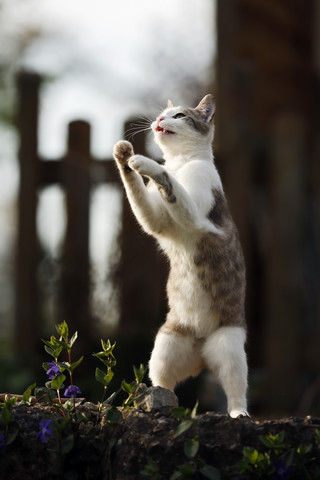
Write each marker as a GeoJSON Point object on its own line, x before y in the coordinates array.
{"type": "Point", "coordinates": [71, 381]}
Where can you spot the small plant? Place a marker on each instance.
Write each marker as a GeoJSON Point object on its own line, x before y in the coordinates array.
{"type": "Point", "coordinates": [54, 347]}
{"type": "Point", "coordinates": [107, 357]}
{"type": "Point", "coordinates": [194, 467]}
{"type": "Point", "coordinates": [280, 460]}
{"type": "Point", "coordinates": [6, 418]}
{"type": "Point", "coordinates": [131, 388]}
{"type": "Point", "coordinates": [64, 429]}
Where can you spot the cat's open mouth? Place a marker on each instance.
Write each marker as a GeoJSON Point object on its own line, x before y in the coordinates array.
{"type": "Point", "coordinates": [165, 132]}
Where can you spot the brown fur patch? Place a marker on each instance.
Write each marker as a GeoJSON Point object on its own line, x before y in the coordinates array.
{"type": "Point", "coordinates": [165, 187]}
{"type": "Point", "coordinates": [196, 121]}
{"type": "Point", "coordinates": [175, 328]}
{"type": "Point", "coordinates": [219, 214]}
{"type": "Point", "coordinates": [221, 268]}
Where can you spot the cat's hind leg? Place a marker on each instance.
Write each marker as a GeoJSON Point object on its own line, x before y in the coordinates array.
{"type": "Point", "coordinates": [174, 358]}
{"type": "Point", "coordinates": [224, 354]}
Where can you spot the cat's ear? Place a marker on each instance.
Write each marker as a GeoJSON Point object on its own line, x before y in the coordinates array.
{"type": "Point", "coordinates": [207, 108]}
{"type": "Point", "coordinates": [170, 104]}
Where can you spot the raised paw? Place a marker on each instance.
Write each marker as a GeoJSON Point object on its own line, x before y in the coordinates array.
{"type": "Point", "coordinates": [143, 165]}
{"type": "Point", "coordinates": [122, 151]}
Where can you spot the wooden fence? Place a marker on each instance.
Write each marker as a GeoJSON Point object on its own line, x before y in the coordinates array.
{"type": "Point", "coordinates": [140, 272]}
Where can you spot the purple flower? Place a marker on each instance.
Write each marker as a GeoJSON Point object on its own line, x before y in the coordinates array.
{"type": "Point", "coordinates": [72, 391]}
{"type": "Point", "coordinates": [2, 441]}
{"type": "Point", "coordinates": [282, 472]}
{"type": "Point", "coordinates": [53, 370]}
{"type": "Point", "coordinates": [45, 430]}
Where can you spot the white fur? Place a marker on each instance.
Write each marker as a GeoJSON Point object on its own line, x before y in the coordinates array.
{"type": "Point", "coordinates": [173, 359]}
{"type": "Point", "coordinates": [224, 354]}
{"type": "Point", "coordinates": [178, 225]}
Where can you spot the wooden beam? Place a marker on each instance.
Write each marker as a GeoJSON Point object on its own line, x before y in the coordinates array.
{"type": "Point", "coordinates": [27, 332]}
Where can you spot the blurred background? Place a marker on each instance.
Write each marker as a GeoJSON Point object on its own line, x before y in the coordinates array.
{"type": "Point", "coordinates": [77, 76]}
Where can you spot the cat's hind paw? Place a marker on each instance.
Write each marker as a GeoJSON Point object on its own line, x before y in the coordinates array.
{"type": "Point", "coordinates": [122, 151]}
{"type": "Point", "coordinates": [237, 413]}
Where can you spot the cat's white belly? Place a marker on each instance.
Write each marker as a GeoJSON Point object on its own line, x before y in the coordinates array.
{"type": "Point", "coordinates": [191, 304]}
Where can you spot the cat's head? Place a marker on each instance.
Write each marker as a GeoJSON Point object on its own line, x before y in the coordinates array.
{"type": "Point", "coordinates": [177, 128]}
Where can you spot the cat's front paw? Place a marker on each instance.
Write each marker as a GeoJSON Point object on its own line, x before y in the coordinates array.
{"type": "Point", "coordinates": [143, 165]}
{"type": "Point", "coordinates": [122, 151]}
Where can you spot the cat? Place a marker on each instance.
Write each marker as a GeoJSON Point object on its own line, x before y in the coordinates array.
{"type": "Point", "coordinates": [184, 207]}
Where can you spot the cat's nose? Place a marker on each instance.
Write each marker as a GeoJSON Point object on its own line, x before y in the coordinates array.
{"type": "Point", "coordinates": [159, 119]}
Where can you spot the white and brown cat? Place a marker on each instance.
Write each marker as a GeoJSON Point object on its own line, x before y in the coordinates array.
{"type": "Point", "coordinates": [184, 207]}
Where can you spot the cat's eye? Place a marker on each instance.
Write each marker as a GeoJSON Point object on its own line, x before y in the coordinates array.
{"type": "Point", "coordinates": [179, 115]}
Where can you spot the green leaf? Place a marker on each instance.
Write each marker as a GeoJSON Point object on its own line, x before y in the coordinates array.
{"type": "Point", "coordinates": [63, 366]}
{"type": "Point", "coordinates": [103, 377]}
{"type": "Point", "coordinates": [46, 393]}
{"type": "Point", "coordinates": [176, 475]}
{"type": "Point", "coordinates": [127, 387]}
{"type": "Point", "coordinates": [110, 399]}
{"type": "Point", "coordinates": [210, 472]}
{"type": "Point", "coordinates": [107, 347]}
{"type": "Point", "coordinates": [187, 470]}
{"type": "Point", "coordinates": [254, 456]}
{"type": "Point", "coordinates": [75, 364]}
{"type": "Point", "coordinates": [73, 338]}
{"type": "Point", "coordinates": [275, 442]}
{"type": "Point", "coordinates": [191, 447]}
{"type": "Point", "coordinates": [60, 426]}
{"type": "Point", "coordinates": [180, 412]}
{"type": "Point", "coordinates": [151, 469]}
{"type": "Point", "coordinates": [62, 329]}
{"type": "Point", "coordinates": [140, 372]}
{"type": "Point", "coordinates": [100, 374]}
{"type": "Point", "coordinates": [183, 427]}
{"type": "Point", "coordinates": [107, 359]}
{"type": "Point", "coordinates": [304, 449]}
{"type": "Point", "coordinates": [67, 444]}
{"type": "Point", "coordinates": [9, 401]}
{"type": "Point", "coordinates": [64, 345]}
{"type": "Point", "coordinates": [57, 382]}
{"type": "Point", "coordinates": [108, 378]}
{"type": "Point", "coordinates": [27, 394]}
{"type": "Point", "coordinates": [114, 416]}
{"type": "Point", "coordinates": [49, 350]}
{"type": "Point", "coordinates": [52, 343]}
{"type": "Point", "coordinates": [194, 411]}
{"type": "Point", "coordinates": [6, 416]}
{"type": "Point", "coordinates": [68, 405]}
{"type": "Point", "coordinates": [12, 436]}
{"type": "Point", "coordinates": [57, 352]}
{"type": "Point", "coordinates": [81, 417]}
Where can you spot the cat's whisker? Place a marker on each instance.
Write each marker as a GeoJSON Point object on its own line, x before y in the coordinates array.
{"type": "Point", "coordinates": [135, 130]}
{"type": "Point", "coordinates": [145, 117]}
{"type": "Point", "coordinates": [139, 124]}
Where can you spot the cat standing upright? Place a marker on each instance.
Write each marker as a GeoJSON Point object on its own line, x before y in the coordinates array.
{"type": "Point", "coordinates": [184, 207]}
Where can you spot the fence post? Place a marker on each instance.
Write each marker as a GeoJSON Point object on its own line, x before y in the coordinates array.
{"type": "Point", "coordinates": [75, 275]}
{"type": "Point", "coordinates": [284, 293]}
{"type": "Point", "coordinates": [27, 329]}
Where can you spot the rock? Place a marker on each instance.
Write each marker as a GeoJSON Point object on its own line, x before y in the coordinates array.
{"type": "Point", "coordinates": [154, 398]}
{"type": "Point", "coordinates": [122, 450]}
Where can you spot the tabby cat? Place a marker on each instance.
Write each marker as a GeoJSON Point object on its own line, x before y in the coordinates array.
{"type": "Point", "coordinates": [184, 207]}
